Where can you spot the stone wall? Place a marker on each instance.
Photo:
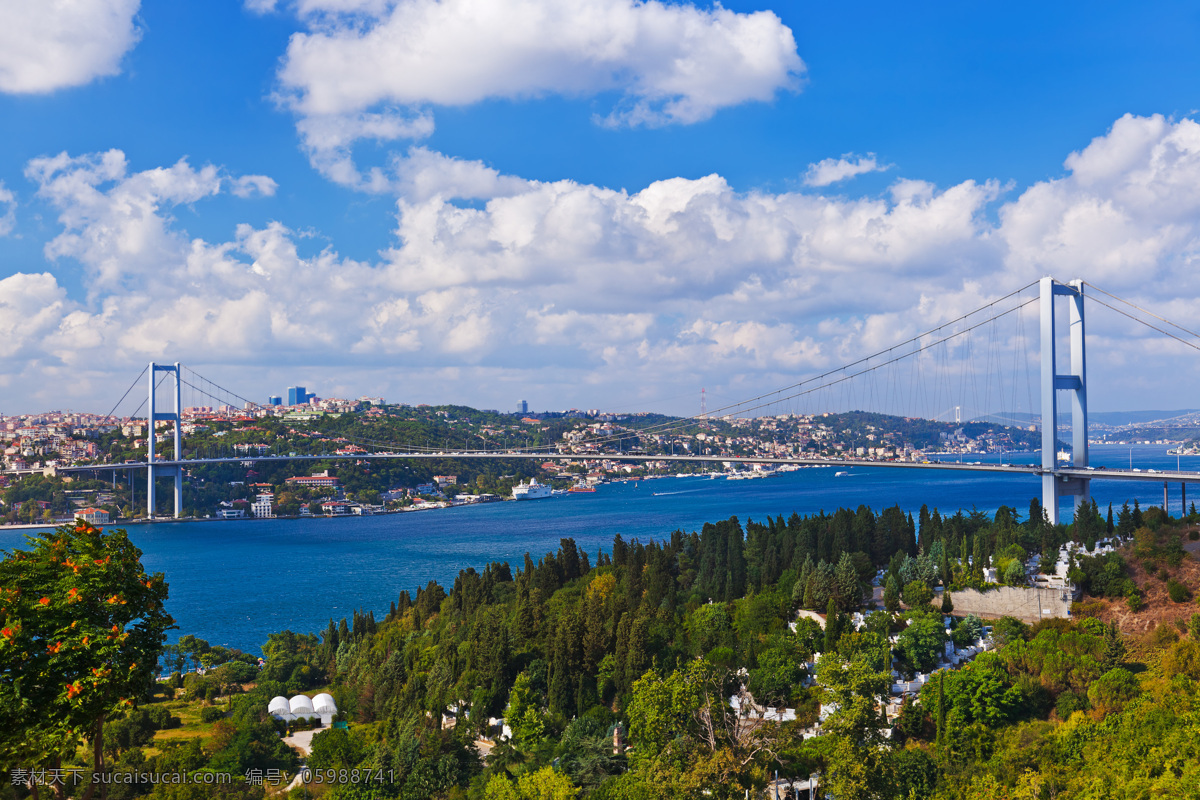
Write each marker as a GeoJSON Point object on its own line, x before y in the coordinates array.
{"type": "Point", "coordinates": [1028, 604]}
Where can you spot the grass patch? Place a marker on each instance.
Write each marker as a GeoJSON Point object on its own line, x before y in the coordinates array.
{"type": "Point", "coordinates": [191, 726]}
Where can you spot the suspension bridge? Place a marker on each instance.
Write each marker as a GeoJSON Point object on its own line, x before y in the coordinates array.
{"type": "Point", "coordinates": [1061, 375]}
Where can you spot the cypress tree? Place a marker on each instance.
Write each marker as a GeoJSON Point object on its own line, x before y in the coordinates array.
{"type": "Point", "coordinates": [947, 603]}
{"type": "Point", "coordinates": [638, 657]}
{"type": "Point", "coordinates": [864, 531]}
{"type": "Point", "coordinates": [1125, 524]}
{"type": "Point", "coordinates": [1114, 647]}
{"type": "Point", "coordinates": [800, 589]}
{"type": "Point", "coordinates": [848, 590]}
{"type": "Point", "coordinates": [1137, 515]}
{"type": "Point", "coordinates": [1109, 527]}
{"type": "Point", "coordinates": [824, 585]}
{"type": "Point", "coordinates": [923, 528]}
{"type": "Point", "coordinates": [841, 533]}
{"type": "Point", "coordinates": [561, 697]}
{"type": "Point", "coordinates": [891, 595]}
{"type": "Point", "coordinates": [735, 558]}
{"type": "Point", "coordinates": [810, 591]}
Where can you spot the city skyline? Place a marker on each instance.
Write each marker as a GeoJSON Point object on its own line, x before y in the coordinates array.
{"type": "Point", "coordinates": [391, 199]}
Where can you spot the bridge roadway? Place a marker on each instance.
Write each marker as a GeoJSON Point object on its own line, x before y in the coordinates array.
{"type": "Point", "coordinates": [1012, 469]}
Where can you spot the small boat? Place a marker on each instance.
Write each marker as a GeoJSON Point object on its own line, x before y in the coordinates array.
{"type": "Point", "coordinates": [580, 488]}
{"type": "Point", "coordinates": [840, 474]}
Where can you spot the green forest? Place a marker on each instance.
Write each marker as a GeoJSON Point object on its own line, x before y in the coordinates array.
{"type": "Point", "coordinates": [617, 673]}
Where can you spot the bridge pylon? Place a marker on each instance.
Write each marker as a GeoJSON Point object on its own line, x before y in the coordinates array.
{"type": "Point", "coordinates": [1074, 380]}
{"type": "Point", "coordinates": [153, 416]}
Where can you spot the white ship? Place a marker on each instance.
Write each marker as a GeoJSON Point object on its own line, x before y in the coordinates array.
{"type": "Point", "coordinates": [531, 491]}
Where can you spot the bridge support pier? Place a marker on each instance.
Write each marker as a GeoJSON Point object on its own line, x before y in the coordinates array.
{"type": "Point", "coordinates": [1075, 382]}
{"type": "Point", "coordinates": [153, 416]}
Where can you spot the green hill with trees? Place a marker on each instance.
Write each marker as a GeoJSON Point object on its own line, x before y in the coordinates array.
{"type": "Point", "coordinates": [614, 673]}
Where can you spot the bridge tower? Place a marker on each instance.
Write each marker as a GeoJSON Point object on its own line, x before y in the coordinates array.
{"type": "Point", "coordinates": [1074, 380]}
{"type": "Point", "coordinates": [153, 416]}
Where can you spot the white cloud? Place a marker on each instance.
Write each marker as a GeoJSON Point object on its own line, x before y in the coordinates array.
{"type": "Point", "coordinates": [585, 294]}
{"type": "Point", "coordinates": [833, 170]}
{"type": "Point", "coordinates": [370, 69]}
{"type": "Point", "coordinates": [1128, 214]}
{"type": "Point", "coordinates": [250, 185]}
{"type": "Point", "coordinates": [53, 44]}
{"type": "Point", "coordinates": [328, 138]}
{"type": "Point", "coordinates": [8, 210]}
{"type": "Point", "coordinates": [424, 174]}
{"type": "Point", "coordinates": [111, 219]}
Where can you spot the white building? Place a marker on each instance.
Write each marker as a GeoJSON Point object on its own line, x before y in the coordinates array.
{"type": "Point", "coordinates": [92, 516]}
{"type": "Point", "coordinates": [262, 507]}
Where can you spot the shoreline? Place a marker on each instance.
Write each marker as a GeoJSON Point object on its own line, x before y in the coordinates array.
{"type": "Point", "coordinates": [173, 521]}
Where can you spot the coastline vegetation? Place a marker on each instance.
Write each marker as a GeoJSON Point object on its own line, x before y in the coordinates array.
{"type": "Point", "coordinates": [616, 675]}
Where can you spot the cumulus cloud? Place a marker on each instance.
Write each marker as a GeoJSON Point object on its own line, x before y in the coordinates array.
{"type": "Point", "coordinates": [251, 185]}
{"type": "Point", "coordinates": [111, 220]}
{"type": "Point", "coordinates": [328, 139]}
{"type": "Point", "coordinates": [590, 294]}
{"type": "Point", "coordinates": [8, 210]}
{"type": "Point", "coordinates": [1125, 215]}
{"type": "Point", "coordinates": [371, 69]}
{"type": "Point", "coordinates": [53, 44]}
{"type": "Point", "coordinates": [833, 170]}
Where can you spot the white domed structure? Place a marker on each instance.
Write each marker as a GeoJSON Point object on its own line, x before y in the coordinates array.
{"type": "Point", "coordinates": [324, 705]}
{"type": "Point", "coordinates": [302, 707]}
{"type": "Point", "coordinates": [280, 708]}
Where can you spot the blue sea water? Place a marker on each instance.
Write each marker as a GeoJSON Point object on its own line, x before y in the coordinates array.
{"type": "Point", "coordinates": [234, 582]}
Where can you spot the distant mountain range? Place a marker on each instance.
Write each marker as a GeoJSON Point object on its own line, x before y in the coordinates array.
{"type": "Point", "coordinates": [1116, 419]}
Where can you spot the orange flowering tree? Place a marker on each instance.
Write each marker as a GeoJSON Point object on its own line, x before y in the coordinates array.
{"type": "Point", "coordinates": [81, 629]}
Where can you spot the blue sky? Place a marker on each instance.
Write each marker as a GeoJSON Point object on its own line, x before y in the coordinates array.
{"type": "Point", "coordinates": [541, 202]}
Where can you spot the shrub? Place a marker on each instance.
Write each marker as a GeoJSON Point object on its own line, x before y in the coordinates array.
{"type": "Point", "coordinates": [1134, 600]}
{"type": "Point", "coordinates": [211, 714]}
{"type": "Point", "coordinates": [1154, 517]}
{"type": "Point", "coordinates": [1178, 592]}
{"type": "Point", "coordinates": [1086, 609]}
{"type": "Point", "coordinates": [1194, 626]}
{"type": "Point", "coordinates": [1113, 690]}
{"type": "Point", "coordinates": [1009, 629]}
{"type": "Point", "coordinates": [967, 631]}
{"type": "Point", "coordinates": [1194, 535]}
{"type": "Point", "coordinates": [1182, 659]}
{"type": "Point", "coordinates": [917, 594]}
{"type": "Point", "coordinates": [162, 719]}
{"type": "Point", "coordinates": [1068, 703]}
{"type": "Point", "coordinates": [1164, 635]}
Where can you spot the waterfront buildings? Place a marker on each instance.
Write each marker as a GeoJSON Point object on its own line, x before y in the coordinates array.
{"type": "Point", "coordinates": [92, 516]}
{"type": "Point", "coordinates": [263, 506]}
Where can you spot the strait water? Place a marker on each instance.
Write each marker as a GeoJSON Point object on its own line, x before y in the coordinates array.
{"type": "Point", "coordinates": [234, 582]}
